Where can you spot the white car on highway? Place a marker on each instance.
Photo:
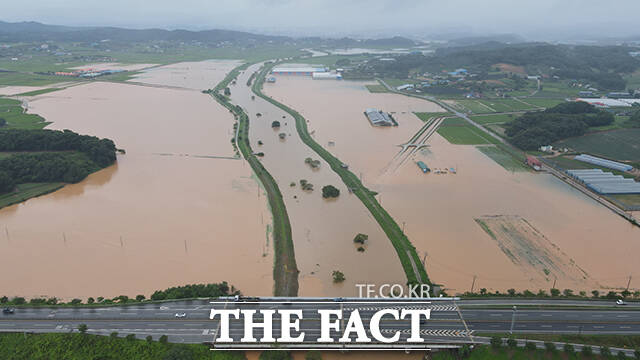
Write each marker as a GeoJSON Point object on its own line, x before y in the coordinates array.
{"type": "Point", "coordinates": [181, 315]}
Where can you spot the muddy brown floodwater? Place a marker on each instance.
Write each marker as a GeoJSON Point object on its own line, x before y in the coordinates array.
{"type": "Point", "coordinates": [586, 246]}
{"type": "Point", "coordinates": [161, 217]}
{"type": "Point", "coordinates": [198, 75]}
{"type": "Point", "coordinates": [323, 230]}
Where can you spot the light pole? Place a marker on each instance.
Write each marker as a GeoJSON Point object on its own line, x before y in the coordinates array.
{"type": "Point", "coordinates": [513, 319]}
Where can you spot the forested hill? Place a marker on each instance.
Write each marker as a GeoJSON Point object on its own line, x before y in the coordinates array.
{"type": "Point", "coordinates": [33, 31]}
{"type": "Point", "coordinates": [535, 129]}
{"type": "Point", "coordinates": [39, 156]}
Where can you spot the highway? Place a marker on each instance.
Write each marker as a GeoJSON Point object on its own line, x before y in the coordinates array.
{"type": "Point", "coordinates": [449, 324]}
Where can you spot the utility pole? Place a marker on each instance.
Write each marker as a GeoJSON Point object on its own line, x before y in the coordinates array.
{"type": "Point", "coordinates": [403, 227]}
{"type": "Point", "coordinates": [473, 284]}
{"type": "Point", "coordinates": [629, 283]}
{"type": "Point", "coordinates": [513, 319]}
{"type": "Point", "coordinates": [554, 282]}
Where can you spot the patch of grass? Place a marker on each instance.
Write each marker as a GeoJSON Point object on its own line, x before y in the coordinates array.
{"type": "Point", "coordinates": [545, 103]}
{"type": "Point", "coordinates": [623, 144]}
{"type": "Point", "coordinates": [630, 200]}
{"type": "Point", "coordinates": [13, 112]}
{"type": "Point", "coordinates": [460, 132]}
{"type": "Point", "coordinates": [28, 191]}
{"type": "Point", "coordinates": [376, 88]}
{"type": "Point", "coordinates": [84, 346]}
{"type": "Point", "coordinates": [404, 249]}
{"type": "Point", "coordinates": [426, 116]}
{"type": "Point", "coordinates": [476, 106]}
{"type": "Point", "coordinates": [39, 92]}
{"type": "Point", "coordinates": [28, 79]}
{"type": "Point", "coordinates": [493, 119]}
{"type": "Point", "coordinates": [503, 158]}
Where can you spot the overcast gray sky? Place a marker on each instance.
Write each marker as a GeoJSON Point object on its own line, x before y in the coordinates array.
{"type": "Point", "coordinates": [374, 18]}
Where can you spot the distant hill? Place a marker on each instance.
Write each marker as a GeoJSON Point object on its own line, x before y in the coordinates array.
{"type": "Point", "coordinates": [34, 31]}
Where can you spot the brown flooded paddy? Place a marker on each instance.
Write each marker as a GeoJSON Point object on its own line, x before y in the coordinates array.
{"type": "Point", "coordinates": [177, 209]}
{"type": "Point", "coordinates": [576, 242]}
{"type": "Point", "coordinates": [200, 75]}
{"type": "Point", "coordinates": [323, 230]}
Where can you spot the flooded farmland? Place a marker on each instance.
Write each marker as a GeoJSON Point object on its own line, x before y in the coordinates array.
{"type": "Point", "coordinates": [167, 214]}
{"type": "Point", "coordinates": [591, 247]}
{"type": "Point", "coordinates": [199, 75]}
{"type": "Point", "coordinates": [323, 230]}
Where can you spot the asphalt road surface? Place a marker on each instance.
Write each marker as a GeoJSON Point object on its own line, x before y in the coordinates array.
{"type": "Point", "coordinates": [449, 324]}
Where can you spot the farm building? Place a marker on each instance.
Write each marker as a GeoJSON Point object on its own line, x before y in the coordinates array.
{"type": "Point", "coordinates": [603, 162]}
{"type": "Point", "coordinates": [534, 163]}
{"type": "Point", "coordinates": [605, 182]}
{"type": "Point", "coordinates": [326, 76]}
{"type": "Point", "coordinates": [306, 70]}
{"type": "Point", "coordinates": [379, 118]}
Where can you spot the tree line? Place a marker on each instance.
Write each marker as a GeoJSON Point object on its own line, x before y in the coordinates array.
{"type": "Point", "coordinates": [51, 156]}
{"type": "Point", "coordinates": [535, 129]}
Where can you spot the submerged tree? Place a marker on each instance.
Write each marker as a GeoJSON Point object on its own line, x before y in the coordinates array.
{"type": "Point", "coordinates": [330, 191]}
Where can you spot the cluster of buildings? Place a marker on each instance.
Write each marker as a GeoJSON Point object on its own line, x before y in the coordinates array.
{"type": "Point", "coordinates": [608, 102]}
{"type": "Point", "coordinates": [379, 118]}
{"type": "Point", "coordinates": [605, 182]}
{"type": "Point", "coordinates": [614, 165]}
{"type": "Point", "coordinates": [316, 73]}
{"type": "Point", "coordinates": [602, 182]}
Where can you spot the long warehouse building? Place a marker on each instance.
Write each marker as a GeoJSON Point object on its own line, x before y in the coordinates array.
{"type": "Point", "coordinates": [605, 182]}
{"type": "Point", "coordinates": [603, 162]}
{"type": "Point", "coordinates": [306, 70]}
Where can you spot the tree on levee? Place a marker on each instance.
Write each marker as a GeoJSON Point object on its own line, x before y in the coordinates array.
{"type": "Point", "coordinates": [338, 276]}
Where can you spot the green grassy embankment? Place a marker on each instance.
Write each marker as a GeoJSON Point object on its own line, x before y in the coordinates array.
{"type": "Point", "coordinates": [285, 270]}
{"type": "Point", "coordinates": [17, 118]}
{"type": "Point", "coordinates": [619, 341]}
{"type": "Point", "coordinates": [39, 92]}
{"type": "Point", "coordinates": [18, 346]}
{"type": "Point", "coordinates": [28, 191]}
{"type": "Point", "coordinates": [405, 250]}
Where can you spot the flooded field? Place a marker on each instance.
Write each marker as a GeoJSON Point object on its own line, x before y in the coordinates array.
{"type": "Point", "coordinates": [14, 90]}
{"type": "Point", "coordinates": [323, 230]}
{"type": "Point", "coordinates": [439, 210]}
{"type": "Point", "coordinates": [199, 75]}
{"type": "Point", "coordinates": [176, 209]}
{"type": "Point", "coordinates": [114, 66]}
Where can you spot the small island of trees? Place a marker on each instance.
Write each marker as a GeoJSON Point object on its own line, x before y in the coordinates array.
{"type": "Point", "coordinates": [330, 191]}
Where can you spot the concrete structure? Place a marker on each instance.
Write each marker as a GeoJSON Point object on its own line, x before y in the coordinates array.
{"type": "Point", "coordinates": [405, 87]}
{"type": "Point", "coordinates": [306, 70]}
{"type": "Point", "coordinates": [603, 162]}
{"type": "Point", "coordinates": [605, 182]}
{"type": "Point", "coordinates": [326, 76]}
{"type": "Point", "coordinates": [379, 118]}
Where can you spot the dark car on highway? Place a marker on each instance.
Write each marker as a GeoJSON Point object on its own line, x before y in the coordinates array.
{"type": "Point", "coordinates": [7, 311]}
